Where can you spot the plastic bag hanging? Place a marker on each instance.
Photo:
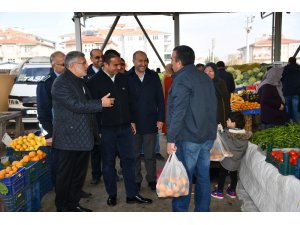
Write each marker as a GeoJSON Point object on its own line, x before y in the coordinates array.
{"type": "Point", "coordinates": [173, 181]}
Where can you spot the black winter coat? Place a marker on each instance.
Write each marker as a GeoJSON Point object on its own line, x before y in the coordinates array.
{"type": "Point", "coordinates": [147, 99]}
{"type": "Point", "coordinates": [291, 80]}
{"type": "Point", "coordinates": [74, 122]}
{"type": "Point", "coordinates": [100, 85]}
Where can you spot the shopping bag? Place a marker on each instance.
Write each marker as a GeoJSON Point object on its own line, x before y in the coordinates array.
{"type": "Point", "coordinates": [173, 181]}
{"type": "Point", "coordinates": [219, 150]}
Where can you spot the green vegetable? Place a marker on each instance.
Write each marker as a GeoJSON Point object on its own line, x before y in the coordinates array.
{"type": "Point", "coordinates": [287, 136]}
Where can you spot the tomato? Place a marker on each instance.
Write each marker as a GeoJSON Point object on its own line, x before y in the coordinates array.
{"type": "Point", "coordinates": [292, 153]}
{"type": "Point", "coordinates": [273, 153]}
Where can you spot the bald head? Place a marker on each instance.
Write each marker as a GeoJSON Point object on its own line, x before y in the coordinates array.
{"type": "Point", "coordinates": [140, 62]}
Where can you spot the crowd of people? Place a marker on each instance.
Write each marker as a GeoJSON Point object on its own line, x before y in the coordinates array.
{"type": "Point", "coordinates": [102, 111]}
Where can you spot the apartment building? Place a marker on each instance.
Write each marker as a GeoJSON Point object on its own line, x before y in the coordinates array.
{"type": "Point", "coordinates": [260, 50]}
{"type": "Point", "coordinates": [17, 45]}
{"type": "Point", "coordinates": [125, 40]}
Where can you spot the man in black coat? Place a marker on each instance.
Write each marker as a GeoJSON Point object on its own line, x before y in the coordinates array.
{"type": "Point", "coordinates": [226, 76]}
{"type": "Point", "coordinates": [116, 136]}
{"type": "Point", "coordinates": [291, 88]}
{"type": "Point", "coordinates": [74, 130]}
{"type": "Point", "coordinates": [97, 62]}
{"type": "Point", "coordinates": [147, 115]}
{"type": "Point", "coordinates": [96, 58]}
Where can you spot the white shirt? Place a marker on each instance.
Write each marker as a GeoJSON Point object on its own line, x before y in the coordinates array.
{"type": "Point", "coordinates": [111, 77]}
{"type": "Point", "coordinates": [95, 69]}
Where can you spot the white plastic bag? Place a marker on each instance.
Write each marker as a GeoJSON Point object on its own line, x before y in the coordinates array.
{"type": "Point", "coordinates": [219, 150]}
{"type": "Point", "coordinates": [173, 181]}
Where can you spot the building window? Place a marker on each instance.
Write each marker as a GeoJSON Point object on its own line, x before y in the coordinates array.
{"type": "Point", "coordinates": [11, 60]}
{"type": "Point", "coordinates": [120, 38]}
{"type": "Point", "coordinates": [155, 37]}
{"type": "Point", "coordinates": [141, 38]}
{"type": "Point", "coordinates": [167, 57]}
{"type": "Point", "coordinates": [27, 48]}
{"type": "Point", "coordinates": [129, 38]}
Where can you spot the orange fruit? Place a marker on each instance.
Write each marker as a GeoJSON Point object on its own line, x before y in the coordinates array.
{"type": "Point", "coordinates": [40, 152]}
{"type": "Point", "coordinates": [32, 154]}
{"type": "Point", "coordinates": [19, 164]}
{"type": "Point", "coordinates": [26, 159]}
{"type": "Point", "coordinates": [2, 175]}
{"type": "Point", "coordinates": [35, 158]}
{"type": "Point", "coordinates": [31, 136]}
{"type": "Point", "coordinates": [14, 163]}
{"type": "Point", "coordinates": [8, 169]}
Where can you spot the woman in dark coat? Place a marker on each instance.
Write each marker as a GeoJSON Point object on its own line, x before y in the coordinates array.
{"type": "Point", "coordinates": [271, 99]}
{"type": "Point", "coordinates": [221, 93]}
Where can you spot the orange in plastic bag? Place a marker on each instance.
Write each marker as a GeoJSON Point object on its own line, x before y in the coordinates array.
{"type": "Point", "coordinates": [173, 181]}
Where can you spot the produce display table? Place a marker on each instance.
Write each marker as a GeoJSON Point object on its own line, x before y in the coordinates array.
{"type": "Point", "coordinates": [269, 190]}
{"type": "Point", "coordinates": [248, 117]}
{"type": "Point", "coordinates": [5, 117]}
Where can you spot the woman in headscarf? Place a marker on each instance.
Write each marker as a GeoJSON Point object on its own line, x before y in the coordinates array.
{"type": "Point", "coordinates": [271, 99]}
{"type": "Point", "coordinates": [222, 94]}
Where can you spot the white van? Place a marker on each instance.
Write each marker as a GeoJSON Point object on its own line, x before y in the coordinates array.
{"type": "Point", "coordinates": [23, 94]}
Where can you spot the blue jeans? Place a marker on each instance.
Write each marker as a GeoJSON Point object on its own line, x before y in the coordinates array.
{"type": "Point", "coordinates": [196, 160]}
{"type": "Point", "coordinates": [291, 103]}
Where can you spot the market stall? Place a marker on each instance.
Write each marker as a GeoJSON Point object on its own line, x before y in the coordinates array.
{"type": "Point", "coordinates": [268, 189]}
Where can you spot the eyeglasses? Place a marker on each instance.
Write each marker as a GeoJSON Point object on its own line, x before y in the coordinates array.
{"type": "Point", "coordinates": [98, 57]}
{"type": "Point", "coordinates": [60, 64]}
{"type": "Point", "coordinates": [83, 63]}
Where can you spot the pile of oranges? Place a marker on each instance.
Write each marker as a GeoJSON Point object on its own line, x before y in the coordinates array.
{"type": "Point", "coordinates": [12, 169]}
{"type": "Point", "coordinates": [172, 187]}
{"type": "Point", "coordinates": [28, 143]}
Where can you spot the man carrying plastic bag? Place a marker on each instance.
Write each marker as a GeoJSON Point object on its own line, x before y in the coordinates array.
{"type": "Point", "coordinates": [192, 125]}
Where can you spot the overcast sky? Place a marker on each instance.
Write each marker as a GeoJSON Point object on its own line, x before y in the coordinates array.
{"type": "Point", "coordinates": [196, 30]}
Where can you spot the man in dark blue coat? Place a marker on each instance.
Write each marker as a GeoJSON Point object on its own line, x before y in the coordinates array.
{"type": "Point", "coordinates": [226, 76]}
{"type": "Point", "coordinates": [147, 115]}
{"type": "Point", "coordinates": [291, 88]}
{"type": "Point", "coordinates": [43, 93]}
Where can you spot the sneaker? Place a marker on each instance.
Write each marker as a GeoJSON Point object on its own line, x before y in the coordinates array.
{"type": "Point", "coordinates": [230, 193]}
{"type": "Point", "coordinates": [217, 194]}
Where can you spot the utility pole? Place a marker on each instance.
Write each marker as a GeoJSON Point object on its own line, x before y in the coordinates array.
{"type": "Point", "coordinates": [248, 29]}
{"type": "Point", "coordinates": [212, 50]}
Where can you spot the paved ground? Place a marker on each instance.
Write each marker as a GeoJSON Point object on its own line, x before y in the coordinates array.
{"type": "Point", "coordinates": [98, 201]}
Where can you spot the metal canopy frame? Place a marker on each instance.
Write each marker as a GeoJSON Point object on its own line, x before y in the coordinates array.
{"type": "Point", "coordinates": [276, 27]}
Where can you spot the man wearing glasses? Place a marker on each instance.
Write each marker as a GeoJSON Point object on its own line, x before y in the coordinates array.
{"type": "Point", "coordinates": [74, 130]}
{"type": "Point", "coordinates": [97, 62]}
{"type": "Point", "coordinates": [44, 107]}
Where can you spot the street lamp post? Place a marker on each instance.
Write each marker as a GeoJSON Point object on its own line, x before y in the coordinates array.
{"type": "Point", "coordinates": [248, 29]}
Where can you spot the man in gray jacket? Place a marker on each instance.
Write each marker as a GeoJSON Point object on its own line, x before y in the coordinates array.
{"type": "Point", "coordinates": [192, 125]}
{"type": "Point", "coordinates": [74, 133]}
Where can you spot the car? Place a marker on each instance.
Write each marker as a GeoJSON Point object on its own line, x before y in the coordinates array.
{"type": "Point", "coordinates": [23, 94]}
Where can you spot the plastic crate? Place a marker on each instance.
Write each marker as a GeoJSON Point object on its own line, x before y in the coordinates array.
{"type": "Point", "coordinates": [18, 155]}
{"type": "Point", "coordinates": [46, 184]}
{"type": "Point", "coordinates": [14, 203]}
{"type": "Point", "coordinates": [33, 200]}
{"type": "Point", "coordinates": [14, 183]}
{"type": "Point", "coordinates": [250, 111]}
{"type": "Point", "coordinates": [32, 172]}
{"type": "Point", "coordinates": [45, 166]}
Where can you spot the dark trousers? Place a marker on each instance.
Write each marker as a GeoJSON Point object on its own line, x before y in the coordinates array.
{"type": "Point", "coordinates": [113, 140]}
{"type": "Point", "coordinates": [222, 176]}
{"type": "Point", "coordinates": [54, 164]}
{"type": "Point", "coordinates": [70, 178]}
{"type": "Point", "coordinates": [148, 141]}
{"type": "Point", "coordinates": [96, 162]}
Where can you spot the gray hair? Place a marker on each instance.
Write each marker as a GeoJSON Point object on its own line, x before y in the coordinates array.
{"type": "Point", "coordinates": [55, 54]}
{"type": "Point", "coordinates": [72, 57]}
